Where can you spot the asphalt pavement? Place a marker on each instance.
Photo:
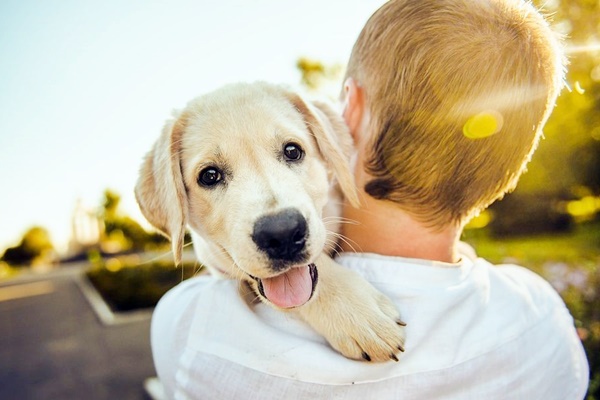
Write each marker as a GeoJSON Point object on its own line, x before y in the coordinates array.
{"type": "Point", "coordinates": [54, 346]}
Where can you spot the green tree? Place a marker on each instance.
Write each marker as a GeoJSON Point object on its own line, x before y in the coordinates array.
{"type": "Point", "coordinates": [35, 244]}
{"type": "Point", "coordinates": [319, 77]}
{"type": "Point", "coordinates": [567, 159]}
{"type": "Point", "coordinates": [121, 232]}
{"type": "Point", "coordinates": [110, 204]}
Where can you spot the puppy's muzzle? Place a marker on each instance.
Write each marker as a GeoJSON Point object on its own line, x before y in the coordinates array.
{"type": "Point", "coordinates": [282, 236]}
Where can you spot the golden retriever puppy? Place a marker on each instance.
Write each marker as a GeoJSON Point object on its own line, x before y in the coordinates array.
{"type": "Point", "coordinates": [257, 174]}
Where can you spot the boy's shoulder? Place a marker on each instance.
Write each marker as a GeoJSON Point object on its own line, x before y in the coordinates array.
{"type": "Point", "coordinates": [525, 283]}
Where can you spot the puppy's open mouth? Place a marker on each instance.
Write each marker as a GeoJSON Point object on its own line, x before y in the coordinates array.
{"type": "Point", "coordinates": [290, 289]}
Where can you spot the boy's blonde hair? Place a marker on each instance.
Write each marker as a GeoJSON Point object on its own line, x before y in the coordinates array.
{"type": "Point", "coordinates": [439, 75]}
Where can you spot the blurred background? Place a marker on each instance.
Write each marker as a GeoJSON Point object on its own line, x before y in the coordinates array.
{"type": "Point", "coordinates": [84, 90]}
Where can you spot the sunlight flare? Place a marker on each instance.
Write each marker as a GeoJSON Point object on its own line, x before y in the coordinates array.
{"type": "Point", "coordinates": [584, 48]}
{"type": "Point", "coordinates": [483, 124]}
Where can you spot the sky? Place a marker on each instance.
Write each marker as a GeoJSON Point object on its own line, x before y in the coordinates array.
{"type": "Point", "coordinates": [85, 86]}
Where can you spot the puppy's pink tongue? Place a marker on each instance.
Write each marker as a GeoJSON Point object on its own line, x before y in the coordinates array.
{"type": "Point", "coordinates": [290, 289]}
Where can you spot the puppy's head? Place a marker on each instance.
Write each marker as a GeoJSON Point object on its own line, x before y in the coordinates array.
{"type": "Point", "coordinates": [249, 168]}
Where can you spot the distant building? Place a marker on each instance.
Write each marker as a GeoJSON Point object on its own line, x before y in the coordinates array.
{"type": "Point", "coordinates": [86, 229]}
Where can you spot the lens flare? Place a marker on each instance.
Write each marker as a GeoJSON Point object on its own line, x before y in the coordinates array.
{"type": "Point", "coordinates": [483, 124]}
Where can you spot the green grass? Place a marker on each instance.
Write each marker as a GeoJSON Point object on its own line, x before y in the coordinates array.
{"type": "Point", "coordinates": [580, 248]}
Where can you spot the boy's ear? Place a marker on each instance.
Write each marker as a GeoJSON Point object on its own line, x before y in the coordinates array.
{"type": "Point", "coordinates": [354, 108]}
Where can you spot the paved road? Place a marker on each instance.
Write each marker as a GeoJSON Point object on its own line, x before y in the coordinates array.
{"type": "Point", "coordinates": [52, 345]}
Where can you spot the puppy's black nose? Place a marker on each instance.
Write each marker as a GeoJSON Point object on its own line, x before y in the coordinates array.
{"type": "Point", "coordinates": [282, 236]}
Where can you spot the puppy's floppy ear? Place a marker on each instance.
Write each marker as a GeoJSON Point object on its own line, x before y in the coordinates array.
{"type": "Point", "coordinates": [160, 191]}
{"type": "Point", "coordinates": [334, 141]}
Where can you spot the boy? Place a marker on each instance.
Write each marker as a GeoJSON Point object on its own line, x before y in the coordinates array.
{"type": "Point", "coordinates": [446, 100]}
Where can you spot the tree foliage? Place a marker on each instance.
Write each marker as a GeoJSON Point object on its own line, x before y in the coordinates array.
{"type": "Point", "coordinates": [122, 233]}
{"type": "Point", "coordinates": [567, 159]}
{"type": "Point", "coordinates": [319, 77]}
{"type": "Point", "coordinates": [35, 244]}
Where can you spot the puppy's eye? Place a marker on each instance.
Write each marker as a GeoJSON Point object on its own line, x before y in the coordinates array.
{"type": "Point", "coordinates": [209, 176]}
{"type": "Point", "coordinates": [292, 152]}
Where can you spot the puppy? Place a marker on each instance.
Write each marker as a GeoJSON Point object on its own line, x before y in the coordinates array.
{"type": "Point", "coordinates": [256, 173]}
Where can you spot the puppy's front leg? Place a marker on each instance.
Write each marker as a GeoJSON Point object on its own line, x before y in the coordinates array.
{"type": "Point", "coordinates": [355, 318]}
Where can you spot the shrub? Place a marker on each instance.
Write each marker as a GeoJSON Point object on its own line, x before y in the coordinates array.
{"type": "Point", "coordinates": [126, 284]}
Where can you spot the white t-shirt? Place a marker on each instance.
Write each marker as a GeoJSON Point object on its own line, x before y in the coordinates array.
{"type": "Point", "coordinates": [475, 331]}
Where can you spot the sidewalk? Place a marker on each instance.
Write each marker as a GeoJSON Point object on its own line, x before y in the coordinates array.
{"type": "Point", "coordinates": [55, 347]}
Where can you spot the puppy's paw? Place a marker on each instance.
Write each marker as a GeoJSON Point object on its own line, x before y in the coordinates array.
{"type": "Point", "coordinates": [368, 328]}
{"type": "Point", "coordinates": [355, 318]}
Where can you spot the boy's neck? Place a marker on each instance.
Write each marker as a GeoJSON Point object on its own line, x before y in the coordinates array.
{"type": "Point", "coordinates": [383, 228]}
